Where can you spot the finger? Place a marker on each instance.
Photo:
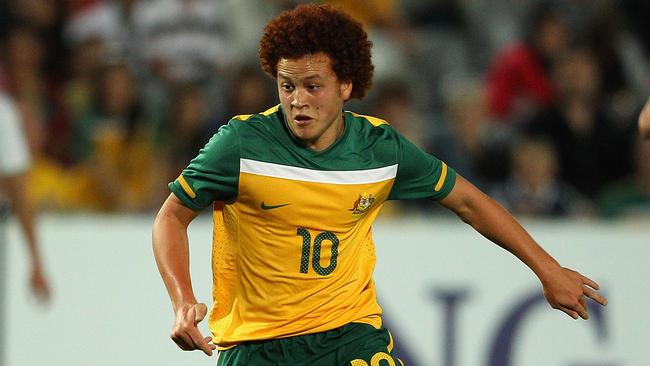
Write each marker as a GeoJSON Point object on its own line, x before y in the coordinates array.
{"type": "Point", "coordinates": [198, 341]}
{"type": "Point", "coordinates": [40, 289]}
{"type": "Point", "coordinates": [589, 282]}
{"type": "Point", "coordinates": [581, 310]}
{"type": "Point", "coordinates": [41, 293]}
{"type": "Point", "coordinates": [182, 336]}
{"type": "Point", "coordinates": [208, 340]}
{"type": "Point", "coordinates": [45, 292]}
{"type": "Point", "coordinates": [201, 343]}
{"type": "Point", "coordinates": [568, 312]}
{"type": "Point", "coordinates": [200, 310]}
{"type": "Point", "coordinates": [594, 295]}
{"type": "Point", "coordinates": [183, 341]}
{"type": "Point", "coordinates": [179, 333]}
{"type": "Point", "coordinates": [186, 342]}
{"type": "Point", "coordinates": [583, 303]}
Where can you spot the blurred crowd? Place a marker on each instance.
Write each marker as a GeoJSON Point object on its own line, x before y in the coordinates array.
{"type": "Point", "coordinates": [532, 100]}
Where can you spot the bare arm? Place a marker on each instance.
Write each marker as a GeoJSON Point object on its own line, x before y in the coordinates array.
{"type": "Point", "coordinates": [24, 210]}
{"type": "Point", "coordinates": [564, 289]}
{"type": "Point", "coordinates": [644, 121]}
{"type": "Point", "coordinates": [171, 250]}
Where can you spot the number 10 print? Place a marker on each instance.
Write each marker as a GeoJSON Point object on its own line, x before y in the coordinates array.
{"type": "Point", "coordinates": [315, 262]}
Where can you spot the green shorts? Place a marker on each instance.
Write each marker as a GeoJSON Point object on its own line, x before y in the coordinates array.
{"type": "Point", "coordinates": [354, 344]}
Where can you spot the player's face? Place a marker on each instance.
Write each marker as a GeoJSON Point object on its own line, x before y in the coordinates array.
{"type": "Point", "coordinates": [312, 98]}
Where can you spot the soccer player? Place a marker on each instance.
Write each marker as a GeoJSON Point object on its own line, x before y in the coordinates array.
{"type": "Point", "coordinates": [644, 121]}
{"type": "Point", "coordinates": [294, 192]}
{"type": "Point", "coordinates": [14, 163]}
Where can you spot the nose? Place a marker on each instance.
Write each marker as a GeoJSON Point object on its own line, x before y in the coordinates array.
{"type": "Point", "coordinates": [298, 98]}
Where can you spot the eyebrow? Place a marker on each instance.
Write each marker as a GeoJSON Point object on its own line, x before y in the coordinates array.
{"type": "Point", "coordinates": [310, 77]}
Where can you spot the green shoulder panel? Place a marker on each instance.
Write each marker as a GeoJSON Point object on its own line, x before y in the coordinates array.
{"type": "Point", "coordinates": [374, 139]}
{"type": "Point", "coordinates": [419, 174]}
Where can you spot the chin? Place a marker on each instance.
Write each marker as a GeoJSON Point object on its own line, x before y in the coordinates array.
{"type": "Point", "coordinates": [301, 132]}
{"type": "Point", "coordinates": [304, 136]}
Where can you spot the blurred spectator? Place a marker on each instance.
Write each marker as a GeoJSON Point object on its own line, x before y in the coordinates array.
{"type": "Point", "coordinates": [372, 12]}
{"type": "Point", "coordinates": [393, 102]}
{"type": "Point", "coordinates": [184, 134]}
{"type": "Point", "coordinates": [247, 19]}
{"type": "Point", "coordinates": [469, 140]}
{"type": "Point", "coordinates": [622, 62]}
{"type": "Point", "coordinates": [45, 19]}
{"type": "Point", "coordinates": [584, 137]}
{"type": "Point", "coordinates": [108, 22]}
{"type": "Point", "coordinates": [112, 147]}
{"type": "Point", "coordinates": [37, 97]}
{"type": "Point", "coordinates": [86, 61]}
{"type": "Point", "coordinates": [636, 14]}
{"type": "Point", "coordinates": [629, 197]}
{"type": "Point", "coordinates": [183, 40]}
{"type": "Point", "coordinates": [23, 56]}
{"type": "Point", "coordinates": [180, 42]}
{"type": "Point", "coordinates": [495, 24]}
{"type": "Point", "coordinates": [251, 90]}
{"type": "Point", "coordinates": [518, 80]}
{"type": "Point", "coordinates": [534, 187]}
{"type": "Point", "coordinates": [439, 50]}
{"type": "Point", "coordinates": [14, 164]}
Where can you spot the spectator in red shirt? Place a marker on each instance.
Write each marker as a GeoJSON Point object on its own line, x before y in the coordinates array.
{"type": "Point", "coordinates": [518, 80]}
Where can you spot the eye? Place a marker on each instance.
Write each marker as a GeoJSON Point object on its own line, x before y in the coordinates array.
{"type": "Point", "coordinates": [286, 87]}
{"type": "Point", "coordinates": [313, 86]}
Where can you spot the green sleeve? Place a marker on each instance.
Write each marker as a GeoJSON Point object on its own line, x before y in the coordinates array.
{"type": "Point", "coordinates": [420, 175]}
{"type": "Point", "coordinates": [214, 174]}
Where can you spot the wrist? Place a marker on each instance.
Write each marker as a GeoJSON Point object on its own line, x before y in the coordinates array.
{"type": "Point", "coordinates": [547, 270]}
{"type": "Point", "coordinates": [180, 304]}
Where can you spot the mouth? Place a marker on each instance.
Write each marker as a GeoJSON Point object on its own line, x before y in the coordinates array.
{"type": "Point", "coordinates": [302, 119]}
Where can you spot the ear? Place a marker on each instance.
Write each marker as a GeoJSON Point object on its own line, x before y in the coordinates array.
{"type": "Point", "coordinates": [346, 90]}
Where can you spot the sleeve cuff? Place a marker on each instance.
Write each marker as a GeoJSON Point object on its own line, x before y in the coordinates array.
{"type": "Point", "coordinates": [179, 191]}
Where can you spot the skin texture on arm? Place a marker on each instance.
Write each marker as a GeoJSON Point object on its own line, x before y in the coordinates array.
{"type": "Point", "coordinates": [24, 210]}
{"type": "Point", "coordinates": [564, 289]}
{"type": "Point", "coordinates": [171, 251]}
{"type": "Point", "coordinates": [644, 121]}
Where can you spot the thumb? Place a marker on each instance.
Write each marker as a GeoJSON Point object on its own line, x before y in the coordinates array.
{"type": "Point", "coordinates": [200, 310]}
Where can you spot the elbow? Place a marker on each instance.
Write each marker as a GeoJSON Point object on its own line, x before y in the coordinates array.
{"type": "Point", "coordinates": [465, 213]}
{"type": "Point", "coordinates": [466, 219]}
{"type": "Point", "coordinates": [160, 223]}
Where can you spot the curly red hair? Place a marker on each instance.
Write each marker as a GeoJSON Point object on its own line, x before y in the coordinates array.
{"type": "Point", "coordinates": [312, 28]}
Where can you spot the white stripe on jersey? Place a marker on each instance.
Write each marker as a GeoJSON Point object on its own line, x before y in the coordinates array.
{"type": "Point", "coordinates": [318, 176]}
